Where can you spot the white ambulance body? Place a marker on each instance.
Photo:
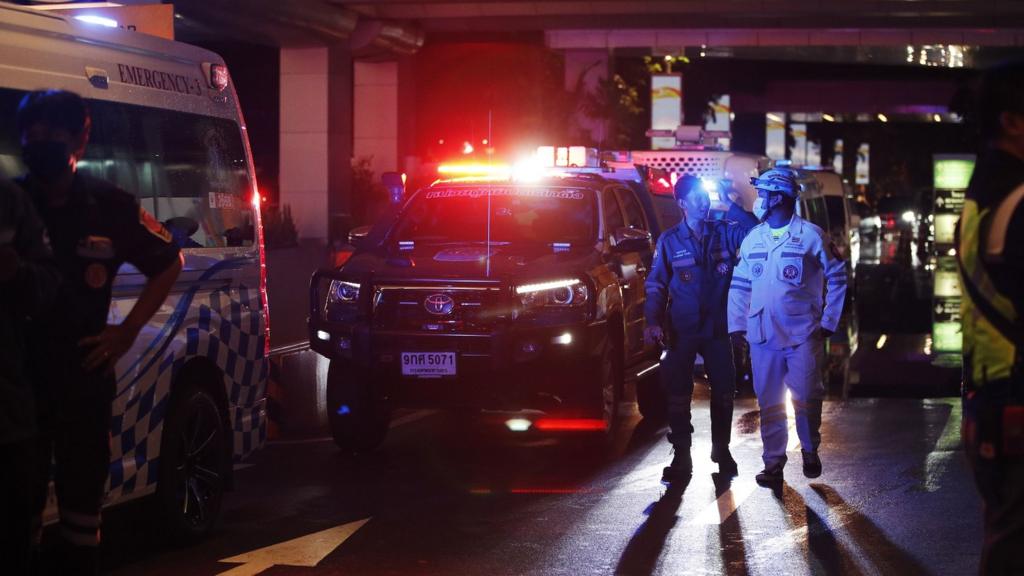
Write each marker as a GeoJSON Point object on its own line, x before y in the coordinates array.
{"type": "Point", "coordinates": [167, 127]}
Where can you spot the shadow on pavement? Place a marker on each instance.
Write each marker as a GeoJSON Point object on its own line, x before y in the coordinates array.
{"type": "Point", "coordinates": [645, 547]}
{"type": "Point", "coordinates": [887, 556]}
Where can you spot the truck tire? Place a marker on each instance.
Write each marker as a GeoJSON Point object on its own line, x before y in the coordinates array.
{"type": "Point", "coordinates": [195, 460]}
{"type": "Point", "coordinates": [358, 421]}
{"type": "Point", "coordinates": [650, 397]}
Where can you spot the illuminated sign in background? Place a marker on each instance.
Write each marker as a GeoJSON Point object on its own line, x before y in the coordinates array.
{"type": "Point", "coordinates": [666, 107]}
{"type": "Point", "coordinates": [775, 135]}
{"type": "Point", "coordinates": [951, 175]}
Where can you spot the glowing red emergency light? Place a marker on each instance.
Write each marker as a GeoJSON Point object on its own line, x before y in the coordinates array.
{"type": "Point", "coordinates": [474, 169]}
{"type": "Point", "coordinates": [569, 424]}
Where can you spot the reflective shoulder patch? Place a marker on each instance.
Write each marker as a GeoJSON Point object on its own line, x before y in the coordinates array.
{"type": "Point", "coordinates": [153, 226]}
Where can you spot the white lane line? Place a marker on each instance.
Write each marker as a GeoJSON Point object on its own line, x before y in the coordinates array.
{"type": "Point", "coordinates": [725, 505]}
{"type": "Point", "coordinates": [945, 447]}
{"type": "Point", "coordinates": [408, 418]}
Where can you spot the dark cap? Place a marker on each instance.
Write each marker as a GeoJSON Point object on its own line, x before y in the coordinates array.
{"type": "Point", "coordinates": [687, 183]}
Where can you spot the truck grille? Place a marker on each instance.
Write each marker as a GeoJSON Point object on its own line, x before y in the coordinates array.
{"type": "Point", "coordinates": [440, 309]}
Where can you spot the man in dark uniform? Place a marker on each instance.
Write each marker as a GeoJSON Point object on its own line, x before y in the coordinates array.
{"type": "Point", "coordinates": [991, 253]}
{"type": "Point", "coordinates": [690, 279]}
{"type": "Point", "coordinates": [94, 227]}
{"type": "Point", "coordinates": [28, 283]}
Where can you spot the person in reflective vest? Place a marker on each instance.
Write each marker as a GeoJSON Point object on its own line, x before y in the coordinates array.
{"type": "Point", "coordinates": [688, 284]}
{"type": "Point", "coordinates": [775, 301]}
{"type": "Point", "coordinates": [991, 254]}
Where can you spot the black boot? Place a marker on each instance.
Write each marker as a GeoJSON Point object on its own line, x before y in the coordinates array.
{"type": "Point", "coordinates": [771, 475]}
{"type": "Point", "coordinates": [726, 465]}
{"type": "Point", "coordinates": [812, 464]}
{"type": "Point", "coordinates": [680, 469]}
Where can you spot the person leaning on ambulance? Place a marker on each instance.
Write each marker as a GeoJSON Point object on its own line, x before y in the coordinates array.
{"type": "Point", "coordinates": [94, 227]}
{"type": "Point", "coordinates": [991, 253]}
{"type": "Point", "coordinates": [775, 302]}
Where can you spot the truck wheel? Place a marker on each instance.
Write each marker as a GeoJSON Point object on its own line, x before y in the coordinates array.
{"type": "Point", "coordinates": [358, 421]}
{"type": "Point", "coordinates": [650, 397]}
{"type": "Point", "coordinates": [194, 464]}
{"type": "Point", "coordinates": [609, 376]}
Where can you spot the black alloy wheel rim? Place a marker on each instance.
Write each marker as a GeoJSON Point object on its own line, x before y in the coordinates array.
{"type": "Point", "coordinates": [198, 473]}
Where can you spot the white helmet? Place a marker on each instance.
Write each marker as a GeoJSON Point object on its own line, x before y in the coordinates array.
{"type": "Point", "coordinates": [782, 180]}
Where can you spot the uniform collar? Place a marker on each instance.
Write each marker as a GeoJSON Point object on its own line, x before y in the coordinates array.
{"type": "Point", "coordinates": [79, 195]}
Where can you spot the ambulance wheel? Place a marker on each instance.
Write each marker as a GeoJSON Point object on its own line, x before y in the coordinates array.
{"type": "Point", "coordinates": [358, 421]}
{"type": "Point", "coordinates": [650, 397]}
{"type": "Point", "coordinates": [194, 463]}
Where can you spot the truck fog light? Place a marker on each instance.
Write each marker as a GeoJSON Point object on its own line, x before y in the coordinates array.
{"type": "Point", "coordinates": [564, 339]}
{"type": "Point", "coordinates": [344, 343]}
{"type": "Point", "coordinates": [321, 335]}
{"type": "Point", "coordinates": [518, 424]}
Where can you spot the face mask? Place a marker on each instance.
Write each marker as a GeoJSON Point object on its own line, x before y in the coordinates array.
{"type": "Point", "coordinates": [46, 159]}
{"type": "Point", "coordinates": [761, 208]}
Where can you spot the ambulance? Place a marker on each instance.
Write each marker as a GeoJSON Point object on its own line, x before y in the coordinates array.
{"type": "Point", "coordinates": [191, 393]}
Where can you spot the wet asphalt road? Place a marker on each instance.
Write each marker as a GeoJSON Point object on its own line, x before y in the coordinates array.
{"type": "Point", "coordinates": [443, 498]}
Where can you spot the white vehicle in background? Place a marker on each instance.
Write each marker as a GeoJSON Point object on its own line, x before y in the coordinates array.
{"type": "Point", "coordinates": [844, 222]}
{"type": "Point", "coordinates": [166, 125]}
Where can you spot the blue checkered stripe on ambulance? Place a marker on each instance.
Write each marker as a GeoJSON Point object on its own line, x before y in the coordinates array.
{"type": "Point", "coordinates": [224, 326]}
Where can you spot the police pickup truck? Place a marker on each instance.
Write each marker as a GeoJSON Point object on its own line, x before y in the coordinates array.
{"type": "Point", "coordinates": [521, 301]}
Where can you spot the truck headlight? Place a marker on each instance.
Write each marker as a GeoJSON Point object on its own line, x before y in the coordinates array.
{"type": "Point", "coordinates": [342, 292]}
{"type": "Point", "coordinates": [571, 292]}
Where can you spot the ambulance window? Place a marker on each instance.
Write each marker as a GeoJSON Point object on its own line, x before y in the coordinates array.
{"type": "Point", "coordinates": [188, 170]}
{"type": "Point", "coordinates": [836, 212]}
{"type": "Point", "coordinates": [817, 213]}
{"type": "Point", "coordinates": [612, 212]}
{"type": "Point", "coordinates": [634, 214]}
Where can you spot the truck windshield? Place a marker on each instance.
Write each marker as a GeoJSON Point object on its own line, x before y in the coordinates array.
{"type": "Point", "coordinates": [518, 214]}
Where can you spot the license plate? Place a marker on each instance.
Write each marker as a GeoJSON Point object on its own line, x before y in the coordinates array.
{"type": "Point", "coordinates": [428, 364]}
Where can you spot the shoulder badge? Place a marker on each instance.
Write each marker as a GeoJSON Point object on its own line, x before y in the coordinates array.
{"type": "Point", "coordinates": [155, 228]}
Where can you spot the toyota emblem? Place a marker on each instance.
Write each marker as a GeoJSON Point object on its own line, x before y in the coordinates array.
{"type": "Point", "coordinates": [439, 304]}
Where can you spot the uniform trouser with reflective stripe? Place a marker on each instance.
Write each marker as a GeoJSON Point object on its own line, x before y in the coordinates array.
{"type": "Point", "coordinates": [678, 379]}
{"type": "Point", "coordinates": [78, 443]}
{"type": "Point", "coordinates": [799, 369]}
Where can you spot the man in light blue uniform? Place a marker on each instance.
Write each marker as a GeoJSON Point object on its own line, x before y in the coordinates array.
{"type": "Point", "coordinates": [689, 280]}
{"type": "Point", "coordinates": [786, 264]}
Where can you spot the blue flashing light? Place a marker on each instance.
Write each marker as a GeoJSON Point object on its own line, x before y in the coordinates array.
{"type": "Point", "coordinates": [344, 409]}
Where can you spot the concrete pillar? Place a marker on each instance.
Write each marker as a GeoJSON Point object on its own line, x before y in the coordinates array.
{"type": "Point", "coordinates": [316, 139]}
{"type": "Point", "coordinates": [304, 138]}
{"type": "Point", "coordinates": [340, 140]}
{"type": "Point", "coordinates": [583, 70]}
{"type": "Point", "coordinates": [375, 114]}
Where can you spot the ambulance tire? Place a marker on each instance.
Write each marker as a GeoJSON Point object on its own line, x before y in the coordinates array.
{"type": "Point", "coordinates": [358, 421]}
{"type": "Point", "coordinates": [195, 463]}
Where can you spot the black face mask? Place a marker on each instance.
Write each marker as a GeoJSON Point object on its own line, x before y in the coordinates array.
{"type": "Point", "coordinates": [47, 159]}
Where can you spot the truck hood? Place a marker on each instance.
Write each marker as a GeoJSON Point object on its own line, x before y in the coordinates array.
{"type": "Point", "coordinates": [468, 263]}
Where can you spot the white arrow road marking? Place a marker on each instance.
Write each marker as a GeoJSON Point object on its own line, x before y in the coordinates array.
{"type": "Point", "coordinates": [306, 551]}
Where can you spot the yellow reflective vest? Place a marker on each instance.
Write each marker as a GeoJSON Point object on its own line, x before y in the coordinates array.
{"type": "Point", "coordinates": [989, 354]}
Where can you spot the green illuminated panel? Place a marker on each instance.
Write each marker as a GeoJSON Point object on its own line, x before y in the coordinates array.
{"type": "Point", "coordinates": [952, 173]}
{"type": "Point", "coordinates": [947, 337]}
